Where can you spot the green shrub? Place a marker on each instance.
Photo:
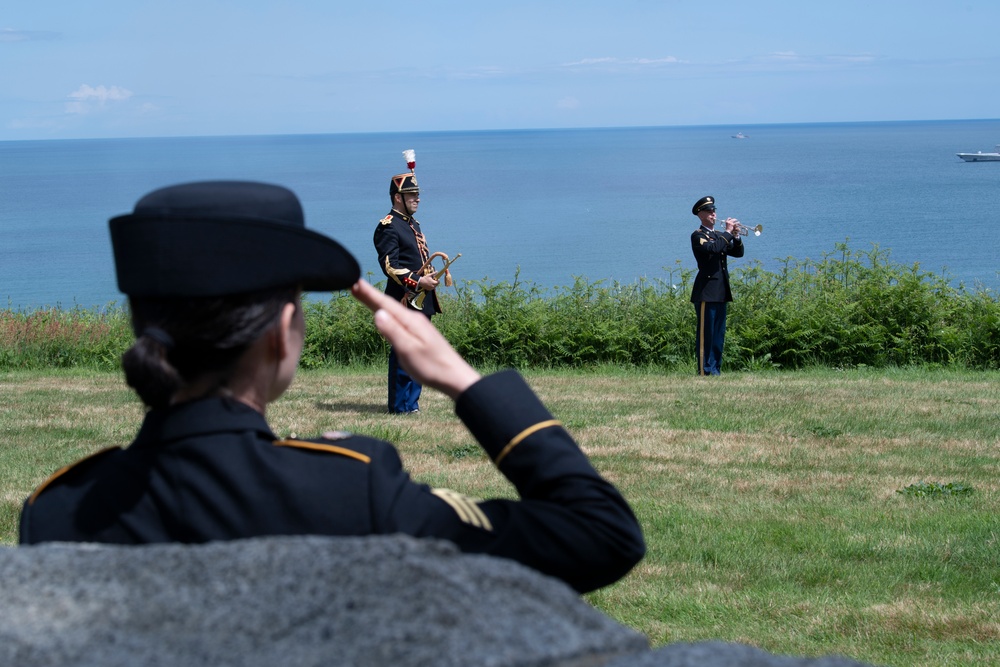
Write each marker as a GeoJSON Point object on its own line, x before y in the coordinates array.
{"type": "Point", "coordinates": [847, 309]}
{"type": "Point", "coordinates": [340, 331]}
{"type": "Point", "coordinates": [56, 338]}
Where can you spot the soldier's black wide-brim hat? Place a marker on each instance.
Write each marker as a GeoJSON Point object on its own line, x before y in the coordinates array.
{"type": "Point", "coordinates": [217, 238]}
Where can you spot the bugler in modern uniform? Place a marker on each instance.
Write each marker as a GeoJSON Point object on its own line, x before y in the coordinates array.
{"type": "Point", "coordinates": [711, 291]}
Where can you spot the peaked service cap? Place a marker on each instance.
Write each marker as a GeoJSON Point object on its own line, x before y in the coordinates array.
{"type": "Point", "coordinates": [703, 204]}
{"type": "Point", "coordinates": [216, 238]}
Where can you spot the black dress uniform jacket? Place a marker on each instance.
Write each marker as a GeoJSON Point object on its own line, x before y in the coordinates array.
{"type": "Point", "coordinates": [212, 469]}
{"type": "Point", "coordinates": [402, 250]}
{"type": "Point", "coordinates": [710, 250]}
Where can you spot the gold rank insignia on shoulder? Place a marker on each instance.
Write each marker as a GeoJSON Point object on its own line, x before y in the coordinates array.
{"type": "Point", "coordinates": [467, 509]}
{"type": "Point", "coordinates": [65, 469]}
{"type": "Point", "coordinates": [320, 447]}
{"type": "Point", "coordinates": [386, 220]}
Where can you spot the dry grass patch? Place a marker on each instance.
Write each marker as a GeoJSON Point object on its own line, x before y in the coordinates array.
{"type": "Point", "coordinates": [927, 619]}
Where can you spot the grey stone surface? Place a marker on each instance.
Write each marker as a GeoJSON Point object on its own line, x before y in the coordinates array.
{"type": "Point", "coordinates": [292, 601]}
{"type": "Point", "coordinates": [304, 601]}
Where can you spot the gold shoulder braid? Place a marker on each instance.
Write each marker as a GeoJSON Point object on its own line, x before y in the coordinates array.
{"type": "Point", "coordinates": [421, 246]}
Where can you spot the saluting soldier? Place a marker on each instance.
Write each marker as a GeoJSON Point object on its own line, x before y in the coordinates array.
{"type": "Point", "coordinates": [214, 274]}
{"type": "Point", "coordinates": [402, 253]}
{"type": "Point", "coordinates": [711, 292]}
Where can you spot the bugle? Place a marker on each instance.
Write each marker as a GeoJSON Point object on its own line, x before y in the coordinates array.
{"type": "Point", "coordinates": [415, 300]}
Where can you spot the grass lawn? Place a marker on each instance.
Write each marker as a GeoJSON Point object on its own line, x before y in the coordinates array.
{"type": "Point", "coordinates": [807, 512]}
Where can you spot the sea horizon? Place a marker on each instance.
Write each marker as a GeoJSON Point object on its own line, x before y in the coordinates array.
{"type": "Point", "coordinates": [544, 205]}
{"type": "Point", "coordinates": [510, 129]}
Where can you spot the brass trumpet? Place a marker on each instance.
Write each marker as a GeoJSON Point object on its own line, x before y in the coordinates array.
{"type": "Point", "coordinates": [745, 231]}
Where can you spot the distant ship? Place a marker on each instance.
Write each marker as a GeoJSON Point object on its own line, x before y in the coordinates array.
{"type": "Point", "coordinates": [739, 135]}
{"type": "Point", "coordinates": [981, 156]}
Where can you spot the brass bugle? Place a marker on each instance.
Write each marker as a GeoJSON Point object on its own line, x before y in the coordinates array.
{"type": "Point", "coordinates": [416, 299]}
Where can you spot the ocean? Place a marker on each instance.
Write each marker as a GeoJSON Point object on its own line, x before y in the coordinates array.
{"type": "Point", "coordinates": [540, 206]}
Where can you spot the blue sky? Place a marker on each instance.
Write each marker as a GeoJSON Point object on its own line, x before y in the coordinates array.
{"type": "Point", "coordinates": [129, 68]}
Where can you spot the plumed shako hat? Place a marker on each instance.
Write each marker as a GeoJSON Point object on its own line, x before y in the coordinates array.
{"type": "Point", "coordinates": [217, 238]}
{"type": "Point", "coordinates": [405, 182]}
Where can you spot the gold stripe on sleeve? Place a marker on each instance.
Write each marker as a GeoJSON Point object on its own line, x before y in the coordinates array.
{"type": "Point", "coordinates": [467, 509]}
{"type": "Point", "coordinates": [701, 339]}
{"type": "Point", "coordinates": [516, 440]}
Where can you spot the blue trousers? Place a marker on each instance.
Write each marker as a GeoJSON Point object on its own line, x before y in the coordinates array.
{"type": "Point", "coordinates": [710, 337]}
{"type": "Point", "coordinates": [404, 391]}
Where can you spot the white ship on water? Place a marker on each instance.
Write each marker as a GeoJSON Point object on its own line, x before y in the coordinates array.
{"type": "Point", "coordinates": [981, 156]}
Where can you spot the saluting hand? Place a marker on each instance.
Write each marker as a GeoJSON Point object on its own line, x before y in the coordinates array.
{"type": "Point", "coordinates": [421, 349]}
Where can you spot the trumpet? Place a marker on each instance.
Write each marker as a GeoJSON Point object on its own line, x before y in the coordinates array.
{"type": "Point", "coordinates": [745, 231]}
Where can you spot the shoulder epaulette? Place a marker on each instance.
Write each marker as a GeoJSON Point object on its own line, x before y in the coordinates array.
{"type": "Point", "coordinates": [78, 465]}
{"type": "Point", "coordinates": [321, 446]}
{"type": "Point", "coordinates": [386, 220]}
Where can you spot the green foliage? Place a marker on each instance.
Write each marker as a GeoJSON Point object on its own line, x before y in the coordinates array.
{"type": "Point", "coordinates": [340, 332]}
{"type": "Point", "coordinates": [521, 325]}
{"type": "Point", "coordinates": [857, 309]}
{"type": "Point", "coordinates": [849, 309]}
{"type": "Point", "coordinates": [55, 338]}
{"type": "Point", "coordinates": [935, 490]}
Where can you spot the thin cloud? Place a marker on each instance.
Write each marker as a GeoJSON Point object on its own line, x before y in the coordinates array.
{"type": "Point", "coordinates": [793, 60]}
{"type": "Point", "coordinates": [100, 93]}
{"type": "Point", "coordinates": [485, 72]}
{"type": "Point", "coordinates": [604, 65]}
{"type": "Point", "coordinates": [9, 35]}
{"type": "Point", "coordinates": [862, 59]}
{"type": "Point", "coordinates": [88, 98]}
{"type": "Point", "coordinates": [776, 60]}
{"type": "Point", "coordinates": [626, 62]}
